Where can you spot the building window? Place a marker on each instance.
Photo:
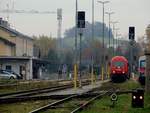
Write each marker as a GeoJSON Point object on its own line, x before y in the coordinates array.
{"type": "Point", "coordinates": [8, 67]}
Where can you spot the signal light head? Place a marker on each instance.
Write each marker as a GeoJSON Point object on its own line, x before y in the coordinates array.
{"type": "Point", "coordinates": [138, 98]}
{"type": "Point", "coordinates": [141, 97]}
{"type": "Point", "coordinates": [131, 33]}
{"type": "Point", "coordinates": [134, 97]}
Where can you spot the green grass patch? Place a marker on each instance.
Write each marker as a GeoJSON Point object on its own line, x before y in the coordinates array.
{"type": "Point", "coordinates": [123, 105]}
{"type": "Point", "coordinates": [23, 107]}
{"type": "Point", "coordinates": [7, 81]}
{"type": "Point", "coordinates": [104, 105]}
{"type": "Point", "coordinates": [128, 85]}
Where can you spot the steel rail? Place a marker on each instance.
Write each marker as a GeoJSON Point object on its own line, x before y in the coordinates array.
{"type": "Point", "coordinates": [41, 90]}
{"type": "Point", "coordinates": [27, 96]}
{"type": "Point", "coordinates": [38, 81]}
{"type": "Point", "coordinates": [37, 91]}
{"type": "Point", "coordinates": [52, 104]}
{"type": "Point", "coordinates": [89, 102]}
{"type": "Point", "coordinates": [21, 99]}
{"type": "Point", "coordinates": [44, 108]}
{"type": "Point", "coordinates": [26, 91]}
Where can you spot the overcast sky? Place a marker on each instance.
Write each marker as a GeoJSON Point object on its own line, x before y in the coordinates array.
{"type": "Point", "coordinates": [127, 12]}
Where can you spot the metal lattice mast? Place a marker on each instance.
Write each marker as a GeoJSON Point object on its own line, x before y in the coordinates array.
{"type": "Point", "coordinates": [59, 18]}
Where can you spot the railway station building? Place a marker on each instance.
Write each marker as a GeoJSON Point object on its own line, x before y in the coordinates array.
{"type": "Point", "coordinates": [16, 53]}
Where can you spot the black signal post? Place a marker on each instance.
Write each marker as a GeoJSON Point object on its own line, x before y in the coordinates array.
{"type": "Point", "coordinates": [80, 25]}
{"type": "Point", "coordinates": [131, 39]}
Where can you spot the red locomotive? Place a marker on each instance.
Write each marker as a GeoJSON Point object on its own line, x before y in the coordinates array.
{"type": "Point", "coordinates": [119, 69]}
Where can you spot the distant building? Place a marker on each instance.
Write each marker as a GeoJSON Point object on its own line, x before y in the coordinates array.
{"type": "Point", "coordinates": [16, 53]}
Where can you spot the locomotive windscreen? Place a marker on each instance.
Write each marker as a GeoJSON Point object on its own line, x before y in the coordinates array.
{"type": "Point", "coordinates": [118, 64]}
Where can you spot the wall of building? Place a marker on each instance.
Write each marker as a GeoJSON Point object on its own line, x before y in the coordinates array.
{"type": "Point", "coordinates": [30, 48]}
{"type": "Point", "coordinates": [5, 50]}
{"type": "Point", "coordinates": [24, 46]}
{"type": "Point", "coordinates": [15, 66]}
{"type": "Point", "coordinates": [6, 35]}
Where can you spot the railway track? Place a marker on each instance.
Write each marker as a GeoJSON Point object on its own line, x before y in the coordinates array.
{"type": "Point", "coordinates": [70, 104]}
{"type": "Point", "coordinates": [45, 94]}
{"type": "Point", "coordinates": [35, 91]}
{"type": "Point", "coordinates": [35, 98]}
{"type": "Point", "coordinates": [38, 91]}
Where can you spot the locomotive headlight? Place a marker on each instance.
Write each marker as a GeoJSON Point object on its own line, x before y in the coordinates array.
{"type": "Point", "coordinates": [123, 72]}
{"type": "Point", "coordinates": [114, 72]}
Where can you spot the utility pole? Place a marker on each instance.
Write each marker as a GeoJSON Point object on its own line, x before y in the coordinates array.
{"type": "Point", "coordinates": [92, 44]}
{"type": "Point", "coordinates": [59, 18]}
{"type": "Point", "coordinates": [76, 32]}
{"type": "Point", "coordinates": [147, 53]}
{"type": "Point", "coordinates": [115, 22]}
{"type": "Point", "coordinates": [116, 39]}
{"type": "Point", "coordinates": [109, 14]}
{"type": "Point", "coordinates": [109, 56]}
{"type": "Point", "coordinates": [103, 56]}
{"type": "Point", "coordinates": [80, 59]}
{"type": "Point", "coordinates": [59, 42]}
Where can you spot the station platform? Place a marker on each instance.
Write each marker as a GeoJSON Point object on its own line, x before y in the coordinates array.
{"type": "Point", "coordinates": [82, 90]}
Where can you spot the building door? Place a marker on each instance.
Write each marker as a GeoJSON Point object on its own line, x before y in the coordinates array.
{"type": "Point", "coordinates": [35, 72]}
{"type": "Point", "coordinates": [22, 72]}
